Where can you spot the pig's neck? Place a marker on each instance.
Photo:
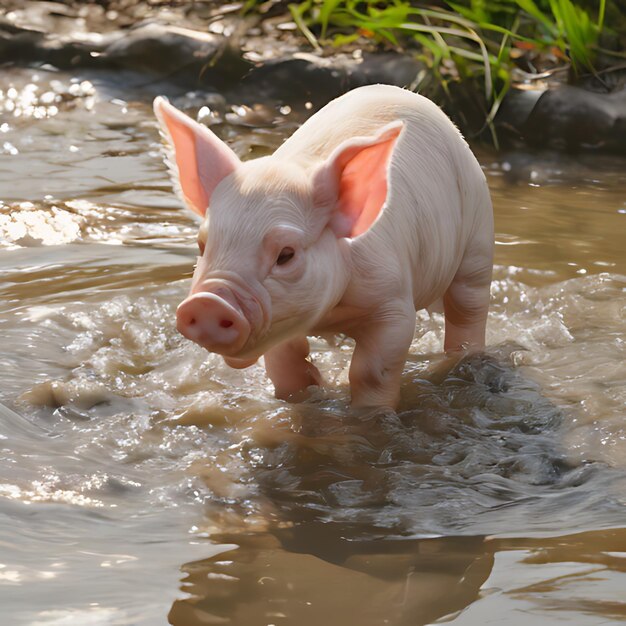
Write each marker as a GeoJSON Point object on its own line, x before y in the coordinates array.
{"type": "Point", "coordinates": [343, 318]}
{"type": "Point", "coordinates": [350, 311]}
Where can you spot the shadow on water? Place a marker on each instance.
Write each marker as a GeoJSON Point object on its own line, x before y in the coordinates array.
{"type": "Point", "coordinates": [275, 578]}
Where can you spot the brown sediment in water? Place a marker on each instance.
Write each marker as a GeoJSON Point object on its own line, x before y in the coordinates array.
{"type": "Point", "coordinates": [141, 477]}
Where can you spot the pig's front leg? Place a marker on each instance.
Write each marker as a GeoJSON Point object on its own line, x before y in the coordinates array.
{"type": "Point", "coordinates": [290, 370]}
{"type": "Point", "coordinates": [379, 356]}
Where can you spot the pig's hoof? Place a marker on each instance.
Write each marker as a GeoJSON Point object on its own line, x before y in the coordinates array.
{"type": "Point", "coordinates": [239, 364]}
{"type": "Point", "coordinates": [296, 389]}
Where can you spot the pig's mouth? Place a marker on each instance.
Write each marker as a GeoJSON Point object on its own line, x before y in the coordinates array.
{"type": "Point", "coordinates": [224, 317]}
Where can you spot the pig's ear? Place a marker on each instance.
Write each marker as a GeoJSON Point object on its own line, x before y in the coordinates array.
{"type": "Point", "coordinates": [352, 184]}
{"type": "Point", "coordinates": [197, 159]}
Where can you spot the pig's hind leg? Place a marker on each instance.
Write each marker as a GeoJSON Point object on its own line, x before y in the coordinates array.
{"type": "Point", "coordinates": [290, 370]}
{"type": "Point", "coordinates": [466, 304]}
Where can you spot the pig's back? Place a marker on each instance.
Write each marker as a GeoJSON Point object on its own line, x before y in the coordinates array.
{"type": "Point", "coordinates": [360, 112]}
{"type": "Point", "coordinates": [438, 195]}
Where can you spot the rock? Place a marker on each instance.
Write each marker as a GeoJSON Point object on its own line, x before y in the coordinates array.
{"type": "Point", "coordinates": [568, 117]}
{"type": "Point", "coordinates": [180, 55]}
{"type": "Point", "coordinates": [302, 78]}
{"type": "Point", "coordinates": [516, 108]}
{"type": "Point", "coordinates": [387, 67]}
{"type": "Point", "coordinates": [573, 118]}
{"type": "Point", "coordinates": [24, 46]}
{"type": "Point", "coordinates": [162, 49]}
{"type": "Point", "coordinates": [310, 78]}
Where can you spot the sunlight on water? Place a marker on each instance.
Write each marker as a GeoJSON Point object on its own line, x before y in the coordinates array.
{"type": "Point", "coordinates": [32, 100]}
{"type": "Point", "coordinates": [41, 492]}
{"type": "Point", "coordinates": [24, 224]}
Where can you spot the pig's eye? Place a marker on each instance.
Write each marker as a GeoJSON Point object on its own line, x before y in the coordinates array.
{"type": "Point", "coordinates": [286, 254]}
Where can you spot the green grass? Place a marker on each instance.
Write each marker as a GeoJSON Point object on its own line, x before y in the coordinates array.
{"type": "Point", "coordinates": [470, 39]}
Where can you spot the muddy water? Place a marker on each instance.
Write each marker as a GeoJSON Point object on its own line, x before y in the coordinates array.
{"type": "Point", "coordinates": [142, 481]}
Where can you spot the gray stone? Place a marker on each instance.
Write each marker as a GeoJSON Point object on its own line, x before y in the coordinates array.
{"type": "Point", "coordinates": [163, 49]}
{"type": "Point", "coordinates": [568, 117]}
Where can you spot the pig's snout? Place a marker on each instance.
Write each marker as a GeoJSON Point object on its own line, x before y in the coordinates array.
{"type": "Point", "coordinates": [214, 321]}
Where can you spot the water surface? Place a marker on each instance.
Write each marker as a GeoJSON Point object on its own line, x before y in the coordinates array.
{"type": "Point", "coordinates": [141, 480]}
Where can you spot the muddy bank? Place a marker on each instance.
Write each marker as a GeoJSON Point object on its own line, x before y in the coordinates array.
{"type": "Point", "coordinates": [212, 48]}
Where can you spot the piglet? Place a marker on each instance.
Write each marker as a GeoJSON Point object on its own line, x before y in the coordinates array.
{"type": "Point", "coordinates": [373, 209]}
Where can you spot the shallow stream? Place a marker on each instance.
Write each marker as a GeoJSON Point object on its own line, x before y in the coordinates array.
{"type": "Point", "coordinates": [141, 480]}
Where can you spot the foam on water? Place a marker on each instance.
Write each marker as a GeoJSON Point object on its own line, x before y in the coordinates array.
{"type": "Point", "coordinates": [493, 431]}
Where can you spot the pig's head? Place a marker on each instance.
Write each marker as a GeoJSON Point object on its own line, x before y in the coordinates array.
{"type": "Point", "coordinates": [275, 236]}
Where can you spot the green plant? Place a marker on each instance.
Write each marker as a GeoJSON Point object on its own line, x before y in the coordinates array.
{"type": "Point", "coordinates": [472, 39]}
{"type": "Point", "coordinates": [451, 43]}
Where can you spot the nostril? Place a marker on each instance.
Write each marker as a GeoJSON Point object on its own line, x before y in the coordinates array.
{"type": "Point", "coordinates": [226, 323]}
{"type": "Point", "coordinates": [192, 321]}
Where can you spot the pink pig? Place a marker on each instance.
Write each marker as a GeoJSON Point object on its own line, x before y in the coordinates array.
{"type": "Point", "coordinates": [373, 209]}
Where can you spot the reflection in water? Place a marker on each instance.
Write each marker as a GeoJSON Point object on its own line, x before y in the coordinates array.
{"type": "Point", "coordinates": [131, 447]}
{"type": "Point", "coordinates": [576, 579]}
{"type": "Point", "coordinates": [315, 574]}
